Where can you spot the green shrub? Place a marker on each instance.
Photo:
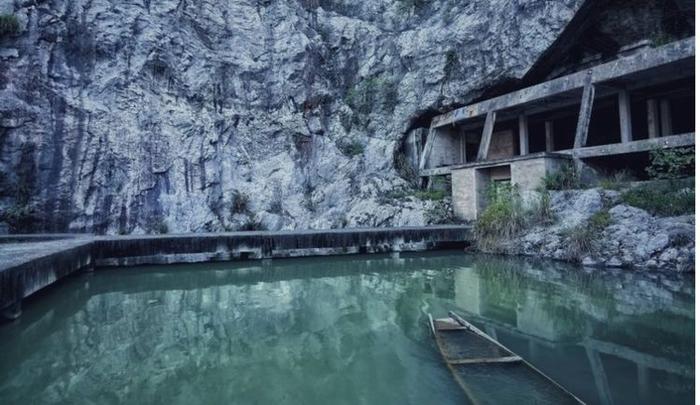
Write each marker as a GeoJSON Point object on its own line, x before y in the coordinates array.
{"type": "Point", "coordinates": [600, 220]}
{"type": "Point", "coordinates": [541, 213]}
{"type": "Point", "coordinates": [9, 26]}
{"type": "Point", "coordinates": [617, 180]}
{"type": "Point", "coordinates": [431, 195]}
{"type": "Point", "coordinates": [371, 92]}
{"type": "Point", "coordinates": [582, 239]}
{"type": "Point", "coordinates": [239, 203]}
{"type": "Point", "coordinates": [156, 225]}
{"type": "Point", "coordinates": [162, 227]}
{"type": "Point", "coordinates": [672, 163]}
{"type": "Point", "coordinates": [408, 6]}
{"type": "Point", "coordinates": [392, 196]}
{"type": "Point", "coordinates": [252, 225]}
{"type": "Point", "coordinates": [351, 148]}
{"type": "Point", "coordinates": [439, 214]}
{"type": "Point", "coordinates": [451, 64]}
{"type": "Point", "coordinates": [441, 187]}
{"type": "Point", "coordinates": [669, 198]}
{"type": "Point", "coordinates": [20, 218]}
{"type": "Point", "coordinates": [567, 178]}
{"type": "Point", "coordinates": [502, 219]}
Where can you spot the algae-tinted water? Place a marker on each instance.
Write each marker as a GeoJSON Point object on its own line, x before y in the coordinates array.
{"type": "Point", "coordinates": [343, 330]}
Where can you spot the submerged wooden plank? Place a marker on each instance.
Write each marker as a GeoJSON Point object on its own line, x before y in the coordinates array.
{"type": "Point", "coordinates": [447, 325]}
{"type": "Point", "coordinates": [506, 359]}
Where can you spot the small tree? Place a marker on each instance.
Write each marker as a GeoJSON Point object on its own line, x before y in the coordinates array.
{"type": "Point", "coordinates": [239, 203]}
{"type": "Point", "coordinates": [566, 178]}
{"type": "Point", "coordinates": [671, 163]}
{"type": "Point", "coordinates": [504, 217]}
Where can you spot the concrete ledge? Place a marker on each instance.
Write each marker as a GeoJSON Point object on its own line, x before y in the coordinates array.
{"type": "Point", "coordinates": [29, 263]}
{"type": "Point", "coordinates": [643, 145]}
{"type": "Point", "coordinates": [441, 171]}
{"type": "Point", "coordinates": [26, 268]}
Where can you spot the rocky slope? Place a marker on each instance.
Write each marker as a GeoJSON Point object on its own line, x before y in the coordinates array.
{"type": "Point", "coordinates": [627, 237]}
{"type": "Point", "coordinates": [177, 115]}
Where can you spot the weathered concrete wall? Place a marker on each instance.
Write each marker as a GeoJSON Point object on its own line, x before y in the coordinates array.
{"type": "Point", "coordinates": [470, 184]}
{"type": "Point", "coordinates": [447, 148]}
{"type": "Point", "coordinates": [502, 145]}
{"type": "Point", "coordinates": [25, 268]}
{"type": "Point", "coordinates": [528, 174]}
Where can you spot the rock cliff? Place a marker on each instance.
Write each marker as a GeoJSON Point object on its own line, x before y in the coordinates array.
{"type": "Point", "coordinates": [180, 115]}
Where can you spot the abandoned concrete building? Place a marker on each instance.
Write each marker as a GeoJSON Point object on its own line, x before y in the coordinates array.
{"type": "Point", "coordinates": [595, 99]}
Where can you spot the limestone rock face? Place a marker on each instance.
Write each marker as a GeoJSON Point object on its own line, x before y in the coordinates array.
{"type": "Point", "coordinates": [632, 238]}
{"type": "Point", "coordinates": [152, 115]}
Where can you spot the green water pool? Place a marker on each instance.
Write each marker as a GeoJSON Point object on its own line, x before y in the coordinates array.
{"type": "Point", "coordinates": [343, 330]}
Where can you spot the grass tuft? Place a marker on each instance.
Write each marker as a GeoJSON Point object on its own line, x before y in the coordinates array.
{"type": "Point", "coordinates": [9, 25]}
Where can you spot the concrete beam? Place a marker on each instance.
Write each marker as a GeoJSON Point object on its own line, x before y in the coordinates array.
{"type": "Point", "coordinates": [653, 118]}
{"type": "Point", "coordinates": [584, 116]}
{"type": "Point", "coordinates": [549, 136]}
{"type": "Point", "coordinates": [644, 145]}
{"type": "Point", "coordinates": [486, 136]}
{"type": "Point", "coordinates": [679, 51]}
{"type": "Point", "coordinates": [625, 111]}
{"type": "Point", "coordinates": [441, 171]}
{"type": "Point", "coordinates": [524, 135]}
{"type": "Point", "coordinates": [666, 121]}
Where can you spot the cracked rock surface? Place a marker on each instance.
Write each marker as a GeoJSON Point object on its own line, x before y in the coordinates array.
{"type": "Point", "coordinates": [135, 116]}
{"type": "Point", "coordinates": [632, 238]}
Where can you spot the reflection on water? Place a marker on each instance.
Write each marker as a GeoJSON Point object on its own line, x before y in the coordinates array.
{"type": "Point", "coordinates": [343, 330]}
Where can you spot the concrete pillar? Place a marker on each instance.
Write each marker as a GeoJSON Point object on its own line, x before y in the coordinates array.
{"type": "Point", "coordinates": [653, 118]}
{"type": "Point", "coordinates": [428, 148]}
{"type": "Point", "coordinates": [584, 115]}
{"type": "Point", "coordinates": [666, 122]}
{"type": "Point", "coordinates": [625, 110]}
{"type": "Point", "coordinates": [486, 135]}
{"type": "Point", "coordinates": [549, 136]}
{"type": "Point", "coordinates": [524, 135]}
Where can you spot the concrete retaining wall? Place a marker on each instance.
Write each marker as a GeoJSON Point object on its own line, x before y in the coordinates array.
{"type": "Point", "coordinates": [30, 263]}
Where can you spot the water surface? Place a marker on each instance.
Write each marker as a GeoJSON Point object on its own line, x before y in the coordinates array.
{"type": "Point", "coordinates": [343, 330]}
